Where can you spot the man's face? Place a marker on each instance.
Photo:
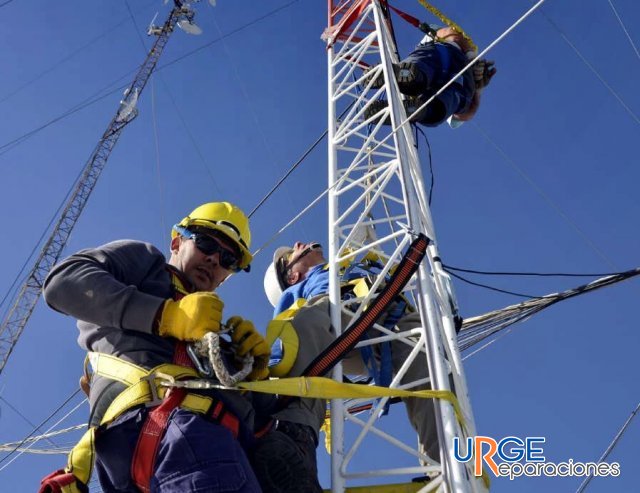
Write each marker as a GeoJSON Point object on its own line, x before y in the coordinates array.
{"type": "Point", "coordinates": [300, 264]}
{"type": "Point", "coordinates": [204, 271]}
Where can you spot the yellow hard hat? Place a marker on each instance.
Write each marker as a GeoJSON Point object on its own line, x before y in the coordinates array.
{"type": "Point", "coordinates": [225, 218]}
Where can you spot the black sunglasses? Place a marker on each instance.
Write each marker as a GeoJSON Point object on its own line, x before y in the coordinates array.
{"type": "Point", "coordinates": [209, 246]}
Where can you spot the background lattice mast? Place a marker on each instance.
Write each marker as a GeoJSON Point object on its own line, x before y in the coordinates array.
{"type": "Point", "coordinates": [25, 302]}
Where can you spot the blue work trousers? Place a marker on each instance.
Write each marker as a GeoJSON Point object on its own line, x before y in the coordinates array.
{"type": "Point", "coordinates": [195, 455]}
{"type": "Point", "coordinates": [439, 62]}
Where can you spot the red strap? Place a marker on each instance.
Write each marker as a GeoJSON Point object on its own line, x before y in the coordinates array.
{"type": "Point", "coordinates": [263, 431]}
{"type": "Point", "coordinates": [180, 355]}
{"type": "Point", "coordinates": [144, 456]}
{"type": "Point", "coordinates": [217, 410]}
{"type": "Point", "coordinates": [54, 482]}
{"type": "Point", "coordinates": [153, 429]}
{"type": "Point", "coordinates": [231, 423]}
{"type": "Point", "coordinates": [181, 287]}
{"type": "Point", "coordinates": [409, 18]}
{"type": "Point", "coordinates": [220, 415]}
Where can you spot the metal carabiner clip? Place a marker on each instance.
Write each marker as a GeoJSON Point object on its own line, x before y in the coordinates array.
{"type": "Point", "coordinates": [202, 365]}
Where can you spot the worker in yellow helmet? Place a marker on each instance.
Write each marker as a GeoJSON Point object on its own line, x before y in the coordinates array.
{"type": "Point", "coordinates": [137, 314]}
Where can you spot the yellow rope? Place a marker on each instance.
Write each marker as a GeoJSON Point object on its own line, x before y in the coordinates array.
{"type": "Point", "coordinates": [448, 22]}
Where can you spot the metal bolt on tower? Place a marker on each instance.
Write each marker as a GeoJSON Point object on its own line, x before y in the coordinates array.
{"type": "Point", "coordinates": [377, 201]}
{"type": "Point", "coordinates": [27, 298]}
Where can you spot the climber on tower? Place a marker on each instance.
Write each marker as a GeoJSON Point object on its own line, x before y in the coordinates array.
{"type": "Point", "coordinates": [440, 55]}
{"type": "Point", "coordinates": [297, 284]}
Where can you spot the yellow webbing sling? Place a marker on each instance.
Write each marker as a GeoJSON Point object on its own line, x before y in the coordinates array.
{"type": "Point", "coordinates": [143, 386]}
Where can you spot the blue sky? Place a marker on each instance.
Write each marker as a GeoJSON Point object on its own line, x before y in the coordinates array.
{"type": "Point", "coordinates": [544, 180]}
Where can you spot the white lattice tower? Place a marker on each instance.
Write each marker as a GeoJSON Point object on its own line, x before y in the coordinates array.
{"type": "Point", "coordinates": [377, 201]}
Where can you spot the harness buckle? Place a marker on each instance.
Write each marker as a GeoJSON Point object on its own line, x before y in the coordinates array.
{"type": "Point", "coordinates": [151, 378]}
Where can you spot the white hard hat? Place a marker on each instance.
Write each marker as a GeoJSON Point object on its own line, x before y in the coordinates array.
{"type": "Point", "coordinates": [273, 283]}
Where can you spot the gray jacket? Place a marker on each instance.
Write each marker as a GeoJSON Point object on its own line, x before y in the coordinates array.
{"type": "Point", "coordinates": [115, 291]}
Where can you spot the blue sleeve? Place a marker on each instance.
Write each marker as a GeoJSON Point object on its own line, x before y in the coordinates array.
{"type": "Point", "coordinates": [317, 283]}
{"type": "Point", "coordinates": [285, 301]}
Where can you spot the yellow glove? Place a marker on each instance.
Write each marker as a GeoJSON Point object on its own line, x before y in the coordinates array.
{"type": "Point", "coordinates": [249, 341]}
{"type": "Point", "coordinates": [190, 318]}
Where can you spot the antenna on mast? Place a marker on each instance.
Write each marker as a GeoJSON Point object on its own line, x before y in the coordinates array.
{"type": "Point", "coordinates": [154, 30]}
{"type": "Point", "coordinates": [128, 110]}
{"type": "Point", "coordinates": [189, 27]}
{"type": "Point", "coordinates": [186, 22]}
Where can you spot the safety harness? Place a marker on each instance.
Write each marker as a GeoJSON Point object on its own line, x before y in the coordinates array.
{"type": "Point", "coordinates": [344, 343]}
{"type": "Point", "coordinates": [143, 387]}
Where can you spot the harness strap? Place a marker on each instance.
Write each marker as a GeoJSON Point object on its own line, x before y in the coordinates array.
{"type": "Point", "coordinates": [149, 391]}
{"type": "Point", "coordinates": [326, 388]}
{"type": "Point", "coordinates": [142, 387]}
{"type": "Point", "coordinates": [144, 456]}
{"type": "Point", "coordinates": [61, 481]}
{"type": "Point", "coordinates": [333, 353]}
{"type": "Point", "coordinates": [221, 415]}
{"type": "Point", "coordinates": [407, 17]}
{"type": "Point", "coordinates": [379, 367]}
{"type": "Point", "coordinates": [180, 355]}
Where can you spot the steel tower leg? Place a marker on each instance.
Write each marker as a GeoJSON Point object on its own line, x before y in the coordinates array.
{"type": "Point", "coordinates": [377, 201]}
